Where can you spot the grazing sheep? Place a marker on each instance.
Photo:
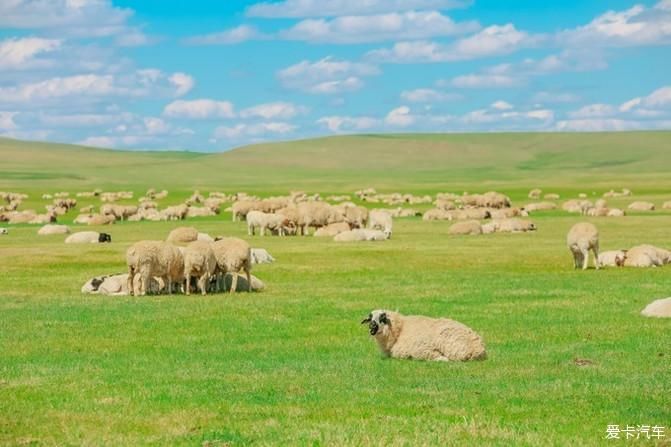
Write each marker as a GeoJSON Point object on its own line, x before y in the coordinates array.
{"type": "Point", "coordinates": [360, 234]}
{"type": "Point", "coordinates": [613, 258]}
{"type": "Point", "coordinates": [266, 221]}
{"type": "Point", "coordinates": [424, 338]}
{"type": "Point", "coordinates": [515, 226]}
{"type": "Point", "coordinates": [658, 309]}
{"type": "Point", "coordinates": [4, 230]}
{"type": "Point", "coordinates": [535, 194]}
{"type": "Point", "coordinates": [380, 220]}
{"type": "Point", "coordinates": [183, 235]}
{"type": "Point", "coordinates": [641, 206]}
{"type": "Point", "coordinates": [241, 208]}
{"type": "Point", "coordinates": [88, 237]}
{"type": "Point", "coordinates": [53, 229]}
{"type": "Point", "coordinates": [199, 262]}
{"type": "Point", "coordinates": [468, 227]}
{"type": "Point", "coordinates": [153, 258]}
{"type": "Point", "coordinates": [316, 215]}
{"type": "Point", "coordinates": [333, 229]}
{"type": "Point", "coordinates": [647, 256]}
{"type": "Point", "coordinates": [261, 256]}
{"type": "Point", "coordinates": [582, 238]}
{"type": "Point", "coordinates": [232, 255]}
{"type": "Point", "coordinates": [177, 212]}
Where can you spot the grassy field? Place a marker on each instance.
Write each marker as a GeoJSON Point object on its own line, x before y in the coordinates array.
{"type": "Point", "coordinates": [292, 365]}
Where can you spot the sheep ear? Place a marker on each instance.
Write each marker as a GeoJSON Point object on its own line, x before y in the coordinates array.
{"type": "Point", "coordinates": [367, 319]}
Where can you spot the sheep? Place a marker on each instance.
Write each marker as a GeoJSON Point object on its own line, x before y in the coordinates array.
{"type": "Point", "coordinates": [199, 261]}
{"type": "Point", "coordinates": [255, 285]}
{"type": "Point", "coordinates": [535, 194]}
{"type": "Point", "coordinates": [198, 211]}
{"type": "Point", "coordinates": [232, 255]}
{"type": "Point", "coordinates": [540, 206]}
{"type": "Point", "coordinates": [356, 216]}
{"type": "Point", "coordinates": [380, 220]}
{"type": "Point", "coordinates": [582, 238]}
{"type": "Point", "coordinates": [437, 214]}
{"type": "Point", "coordinates": [177, 212]}
{"type": "Point", "coordinates": [503, 213]}
{"type": "Point", "coordinates": [50, 229]}
{"type": "Point", "coordinates": [667, 205]}
{"type": "Point", "coordinates": [467, 227]}
{"type": "Point", "coordinates": [445, 204]}
{"type": "Point", "coordinates": [615, 212]}
{"type": "Point", "coordinates": [424, 338]}
{"type": "Point", "coordinates": [515, 226]}
{"type": "Point", "coordinates": [331, 230]}
{"type": "Point", "coordinates": [153, 258]}
{"type": "Point", "coordinates": [261, 256]}
{"type": "Point", "coordinates": [88, 237]}
{"type": "Point", "coordinates": [490, 227]}
{"type": "Point", "coordinates": [658, 309]}
{"type": "Point", "coordinates": [551, 196]}
{"type": "Point", "coordinates": [118, 285]}
{"type": "Point", "coordinates": [316, 215]}
{"type": "Point", "coordinates": [4, 231]}
{"type": "Point", "coordinates": [266, 221]}
{"type": "Point", "coordinates": [183, 235]}
{"type": "Point", "coordinates": [641, 206]}
{"type": "Point", "coordinates": [360, 234]}
{"type": "Point", "coordinates": [99, 219]}
{"type": "Point", "coordinates": [204, 237]}
{"type": "Point", "coordinates": [47, 218]}
{"type": "Point", "coordinates": [612, 258]}
{"type": "Point", "coordinates": [240, 209]}
{"type": "Point", "coordinates": [647, 256]}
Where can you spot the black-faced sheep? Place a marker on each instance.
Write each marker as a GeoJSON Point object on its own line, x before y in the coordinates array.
{"type": "Point", "coordinates": [88, 237]}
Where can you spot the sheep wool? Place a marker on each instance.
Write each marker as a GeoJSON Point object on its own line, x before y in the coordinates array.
{"type": "Point", "coordinates": [468, 227]}
{"type": "Point", "coordinates": [199, 262]}
{"type": "Point", "coordinates": [183, 235]}
{"type": "Point", "coordinates": [582, 238]}
{"type": "Point", "coordinates": [232, 255]}
{"type": "Point", "coordinates": [658, 309]}
{"type": "Point", "coordinates": [53, 229]}
{"type": "Point", "coordinates": [153, 258]}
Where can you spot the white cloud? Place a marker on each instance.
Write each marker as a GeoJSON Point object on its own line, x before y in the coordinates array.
{"type": "Point", "coordinates": [182, 82]}
{"type": "Point", "coordinates": [375, 28]}
{"type": "Point", "coordinates": [326, 76]}
{"type": "Point", "coordinates": [347, 123]}
{"type": "Point", "coordinates": [100, 141]}
{"type": "Point", "coordinates": [509, 119]}
{"type": "Point", "coordinates": [400, 117]}
{"type": "Point", "coordinates": [333, 8]}
{"type": "Point", "coordinates": [492, 41]}
{"type": "Point", "coordinates": [428, 95]}
{"type": "Point", "coordinates": [593, 111]}
{"type": "Point", "coordinates": [231, 36]}
{"type": "Point", "coordinates": [84, 119]}
{"type": "Point", "coordinates": [501, 105]}
{"type": "Point", "coordinates": [485, 81]}
{"type": "Point", "coordinates": [7, 121]}
{"type": "Point", "coordinates": [659, 99]}
{"type": "Point", "coordinates": [597, 125]}
{"type": "Point", "coordinates": [199, 109]}
{"type": "Point", "coordinates": [252, 130]}
{"type": "Point", "coordinates": [273, 110]}
{"type": "Point", "coordinates": [156, 126]}
{"type": "Point", "coordinates": [135, 38]}
{"type": "Point", "coordinates": [555, 97]}
{"type": "Point", "coordinates": [18, 54]}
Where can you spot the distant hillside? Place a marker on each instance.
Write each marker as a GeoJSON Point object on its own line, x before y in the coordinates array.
{"type": "Point", "coordinates": [417, 162]}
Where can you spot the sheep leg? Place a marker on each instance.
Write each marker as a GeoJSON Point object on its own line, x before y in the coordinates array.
{"type": "Point", "coordinates": [129, 281]}
{"type": "Point", "coordinates": [187, 281]}
{"type": "Point", "coordinates": [144, 280]}
{"type": "Point", "coordinates": [234, 282]}
{"type": "Point", "coordinates": [249, 280]}
{"type": "Point", "coordinates": [263, 230]}
{"type": "Point", "coordinates": [585, 258]}
{"type": "Point", "coordinates": [250, 230]}
{"type": "Point", "coordinates": [202, 283]}
{"type": "Point", "coordinates": [595, 249]}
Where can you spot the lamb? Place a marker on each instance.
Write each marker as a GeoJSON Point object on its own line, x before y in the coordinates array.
{"type": "Point", "coordinates": [183, 235]}
{"type": "Point", "coordinates": [232, 255]}
{"type": "Point", "coordinates": [380, 220]}
{"type": "Point", "coordinates": [333, 229]}
{"type": "Point", "coordinates": [266, 221]}
{"type": "Point", "coordinates": [199, 261]}
{"type": "Point", "coordinates": [261, 256]}
{"type": "Point", "coordinates": [50, 229]}
{"type": "Point", "coordinates": [153, 258]}
{"type": "Point", "coordinates": [582, 238]}
{"type": "Point", "coordinates": [658, 309]}
{"type": "Point", "coordinates": [468, 227]}
{"type": "Point", "coordinates": [612, 258]}
{"type": "Point", "coordinates": [647, 256]}
{"type": "Point", "coordinates": [424, 338]}
{"type": "Point", "coordinates": [88, 237]}
{"type": "Point", "coordinates": [641, 206]}
{"type": "Point", "coordinates": [360, 234]}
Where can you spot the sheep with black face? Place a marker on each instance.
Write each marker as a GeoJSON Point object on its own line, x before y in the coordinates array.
{"type": "Point", "coordinates": [424, 338]}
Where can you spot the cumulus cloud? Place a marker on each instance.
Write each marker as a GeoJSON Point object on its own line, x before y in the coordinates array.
{"type": "Point", "coordinates": [657, 99]}
{"type": "Point", "coordinates": [501, 105]}
{"type": "Point", "coordinates": [7, 121]}
{"type": "Point", "coordinates": [24, 53]}
{"type": "Point", "coordinates": [326, 76]}
{"type": "Point", "coordinates": [273, 110]}
{"type": "Point", "coordinates": [507, 119]}
{"type": "Point", "coordinates": [252, 130]}
{"type": "Point", "coordinates": [347, 123]}
{"type": "Point", "coordinates": [375, 28]}
{"type": "Point", "coordinates": [400, 117]}
{"type": "Point", "coordinates": [183, 83]}
{"type": "Point", "coordinates": [428, 95]}
{"type": "Point", "coordinates": [593, 111]}
{"type": "Point", "coordinates": [333, 8]}
{"type": "Point", "coordinates": [486, 81]}
{"type": "Point", "coordinates": [597, 125]}
{"type": "Point", "coordinates": [199, 109]}
{"type": "Point", "coordinates": [231, 36]}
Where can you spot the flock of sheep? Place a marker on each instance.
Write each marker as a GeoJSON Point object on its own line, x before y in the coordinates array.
{"type": "Point", "coordinates": [192, 261]}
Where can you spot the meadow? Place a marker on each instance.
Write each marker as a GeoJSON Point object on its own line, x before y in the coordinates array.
{"type": "Point", "coordinates": [568, 352]}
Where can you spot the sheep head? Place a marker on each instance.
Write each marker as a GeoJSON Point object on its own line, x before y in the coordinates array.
{"type": "Point", "coordinates": [376, 319]}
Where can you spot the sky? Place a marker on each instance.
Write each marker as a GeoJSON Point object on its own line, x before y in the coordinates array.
{"type": "Point", "coordinates": [211, 75]}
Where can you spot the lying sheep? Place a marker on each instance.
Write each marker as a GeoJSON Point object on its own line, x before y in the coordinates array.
{"type": "Point", "coordinates": [4, 231]}
{"type": "Point", "coordinates": [361, 235]}
{"type": "Point", "coordinates": [118, 285]}
{"type": "Point", "coordinates": [647, 256]}
{"type": "Point", "coordinates": [582, 238]}
{"type": "Point", "coordinates": [613, 258]}
{"type": "Point", "coordinates": [658, 309]}
{"type": "Point", "coordinates": [540, 206]}
{"type": "Point", "coordinates": [333, 229]}
{"type": "Point", "coordinates": [88, 237]}
{"type": "Point", "coordinates": [641, 206]}
{"type": "Point", "coordinates": [615, 212]}
{"type": "Point", "coordinates": [515, 226]}
{"type": "Point", "coordinates": [153, 258]}
{"type": "Point", "coordinates": [99, 219]}
{"type": "Point", "coordinates": [380, 220]}
{"type": "Point", "coordinates": [424, 338]}
{"type": "Point", "coordinates": [199, 262]}
{"type": "Point", "coordinates": [50, 229]}
{"type": "Point", "coordinates": [204, 237]}
{"type": "Point", "coordinates": [468, 227]}
{"type": "Point", "coordinates": [667, 205]}
{"type": "Point", "coordinates": [266, 221]}
{"type": "Point", "coordinates": [183, 235]}
{"type": "Point", "coordinates": [261, 256]}
{"type": "Point", "coordinates": [232, 255]}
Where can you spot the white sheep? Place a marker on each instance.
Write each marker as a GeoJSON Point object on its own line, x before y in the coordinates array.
{"type": "Point", "coordinates": [88, 237]}
{"type": "Point", "coordinates": [118, 284]}
{"type": "Point", "coordinates": [232, 255]}
{"type": "Point", "coordinates": [199, 262]}
{"type": "Point", "coordinates": [183, 235]}
{"type": "Point", "coordinates": [612, 258]}
{"type": "Point", "coordinates": [266, 221]}
{"type": "Point", "coordinates": [515, 226]}
{"type": "Point", "coordinates": [4, 231]}
{"type": "Point", "coordinates": [50, 229]}
{"type": "Point", "coordinates": [641, 206]}
{"type": "Point", "coordinates": [424, 338]}
{"type": "Point", "coordinates": [153, 258]}
{"type": "Point", "coordinates": [658, 309]}
{"type": "Point", "coordinates": [261, 256]}
{"type": "Point", "coordinates": [467, 227]}
{"type": "Point", "coordinates": [333, 229]}
{"type": "Point", "coordinates": [582, 238]}
{"type": "Point", "coordinates": [359, 234]}
{"type": "Point", "coordinates": [380, 220]}
{"type": "Point", "coordinates": [647, 256]}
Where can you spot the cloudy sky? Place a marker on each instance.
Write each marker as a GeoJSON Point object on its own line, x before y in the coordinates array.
{"type": "Point", "coordinates": [210, 75]}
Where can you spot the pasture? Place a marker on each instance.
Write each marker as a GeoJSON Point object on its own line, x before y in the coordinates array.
{"type": "Point", "coordinates": [568, 352]}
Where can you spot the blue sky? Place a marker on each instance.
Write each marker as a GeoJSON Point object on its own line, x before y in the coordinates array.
{"type": "Point", "coordinates": [212, 75]}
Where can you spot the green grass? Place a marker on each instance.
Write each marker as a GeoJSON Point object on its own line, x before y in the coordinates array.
{"type": "Point", "coordinates": [292, 365]}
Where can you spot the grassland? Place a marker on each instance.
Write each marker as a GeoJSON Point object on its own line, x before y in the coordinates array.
{"type": "Point", "coordinates": [292, 365]}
